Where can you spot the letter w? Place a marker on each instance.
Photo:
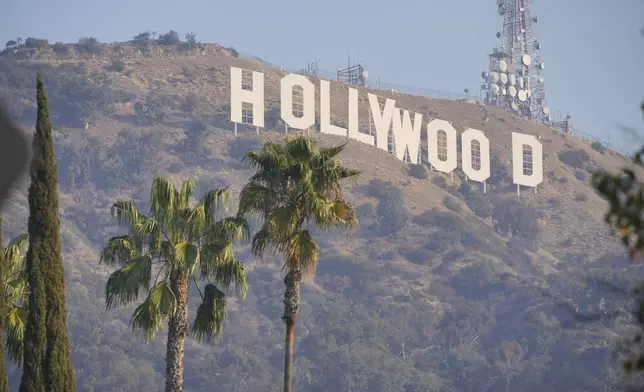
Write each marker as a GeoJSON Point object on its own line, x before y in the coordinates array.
{"type": "Point", "coordinates": [406, 134]}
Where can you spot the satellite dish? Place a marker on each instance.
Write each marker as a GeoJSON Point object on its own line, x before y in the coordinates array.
{"type": "Point", "coordinates": [503, 91]}
{"type": "Point", "coordinates": [526, 60]}
{"type": "Point", "coordinates": [512, 91]}
{"type": "Point", "coordinates": [484, 75]}
{"type": "Point", "coordinates": [504, 78]}
{"type": "Point", "coordinates": [541, 66]}
{"type": "Point", "coordinates": [500, 2]}
{"type": "Point", "coordinates": [493, 77]}
{"type": "Point", "coordinates": [537, 45]}
{"type": "Point", "coordinates": [501, 10]}
{"type": "Point", "coordinates": [365, 74]}
{"type": "Point", "coordinates": [528, 93]}
{"type": "Point", "coordinates": [541, 79]}
{"type": "Point", "coordinates": [535, 19]}
{"type": "Point", "coordinates": [503, 66]}
{"type": "Point", "coordinates": [521, 9]}
{"type": "Point", "coordinates": [498, 34]}
{"type": "Point", "coordinates": [520, 82]}
{"type": "Point", "coordinates": [466, 91]}
{"type": "Point", "coordinates": [522, 95]}
{"type": "Point", "coordinates": [494, 89]}
{"type": "Point", "coordinates": [513, 79]}
{"type": "Point", "coordinates": [514, 106]}
{"type": "Point", "coordinates": [546, 110]}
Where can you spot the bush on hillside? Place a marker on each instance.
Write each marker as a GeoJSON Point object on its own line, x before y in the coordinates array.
{"type": "Point", "coordinates": [418, 170]}
{"type": "Point", "coordinates": [391, 215]}
{"type": "Point", "coordinates": [517, 219]}
{"type": "Point", "coordinates": [88, 44]}
{"type": "Point", "coordinates": [33, 43]}
{"type": "Point", "coordinates": [578, 159]}
{"type": "Point", "coordinates": [169, 38]}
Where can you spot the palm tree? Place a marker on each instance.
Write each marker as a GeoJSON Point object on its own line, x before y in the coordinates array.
{"type": "Point", "coordinates": [296, 184]}
{"type": "Point", "coordinates": [178, 243]}
{"type": "Point", "coordinates": [16, 295]}
{"type": "Point", "coordinates": [15, 290]}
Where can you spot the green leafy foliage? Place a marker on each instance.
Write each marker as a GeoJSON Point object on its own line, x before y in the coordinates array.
{"type": "Point", "coordinates": [178, 243]}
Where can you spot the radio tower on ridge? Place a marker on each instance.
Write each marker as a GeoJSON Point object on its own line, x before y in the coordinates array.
{"type": "Point", "coordinates": [514, 80]}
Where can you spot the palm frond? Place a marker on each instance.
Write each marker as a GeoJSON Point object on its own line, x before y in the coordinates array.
{"type": "Point", "coordinates": [149, 316]}
{"type": "Point", "coordinates": [15, 253]}
{"type": "Point", "coordinates": [302, 252]}
{"type": "Point", "coordinates": [187, 189]}
{"type": "Point", "coordinates": [232, 272]}
{"type": "Point", "coordinates": [230, 229]}
{"type": "Point", "coordinates": [126, 213]}
{"type": "Point", "coordinates": [164, 200]}
{"type": "Point", "coordinates": [211, 314]}
{"type": "Point", "coordinates": [21, 242]}
{"type": "Point", "coordinates": [301, 149]}
{"type": "Point", "coordinates": [186, 257]}
{"type": "Point", "coordinates": [124, 284]}
{"type": "Point", "coordinates": [119, 250]}
{"type": "Point", "coordinates": [255, 199]}
{"type": "Point", "coordinates": [333, 152]}
{"type": "Point", "coordinates": [14, 333]}
{"type": "Point", "coordinates": [215, 199]}
{"type": "Point", "coordinates": [212, 255]}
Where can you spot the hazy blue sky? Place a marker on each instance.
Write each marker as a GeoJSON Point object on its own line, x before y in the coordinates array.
{"type": "Point", "coordinates": [592, 49]}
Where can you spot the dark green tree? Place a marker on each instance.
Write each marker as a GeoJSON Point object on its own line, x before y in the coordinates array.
{"type": "Point", "coordinates": [47, 364]}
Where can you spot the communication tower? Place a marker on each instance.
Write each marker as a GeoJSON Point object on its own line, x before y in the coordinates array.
{"type": "Point", "coordinates": [354, 75]}
{"type": "Point", "coordinates": [311, 69]}
{"type": "Point", "coordinates": [514, 79]}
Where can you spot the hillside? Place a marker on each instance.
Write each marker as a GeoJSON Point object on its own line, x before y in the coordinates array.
{"type": "Point", "coordinates": [442, 288]}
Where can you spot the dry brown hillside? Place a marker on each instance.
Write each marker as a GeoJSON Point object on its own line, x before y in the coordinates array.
{"type": "Point", "coordinates": [442, 288]}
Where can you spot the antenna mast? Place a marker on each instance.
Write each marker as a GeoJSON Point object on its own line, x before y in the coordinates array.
{"type": "Point", "coordinates": [514, 80]}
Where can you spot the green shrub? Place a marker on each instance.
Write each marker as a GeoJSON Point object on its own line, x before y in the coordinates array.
{"type": "Point", "coordinates": [418, 171]}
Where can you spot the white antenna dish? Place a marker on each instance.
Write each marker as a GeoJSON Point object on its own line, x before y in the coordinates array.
{"type": "Point", "coordinates": [520, 82]}
{"type": "Point", "coordinates": [504, 78]}
{"type": "Point", "coordinates": [365, 74]}
{"type": "Point", "coordinates": [493, 77]}
{"type": "Point", "coordinates": [513, 79]}
{"type": "Point", "coordinates": [546, 110]}
{"type": "Point", "coordinates": [535, 19]}
{"type": "Point", "coordinates": [541, 79]}
{"type": "Point", "coordinates": [512, 91]}
{"type": "Point", "coordinates": [526, 60]}
{"type": "Point", "coordinates": [484, 75]}
{"type": "Point", "coordinates": [503, 66]}
{"type": "Point", "coordinates": [521, 9]}
{"type": "Point", "coordinates": [501, 10]}
{"type": "Point", "coordinates": [514, 106]}
{"type": "Point", "coordinates": [541, 66]}
{"type": "Point", "coordinates": [494, 89]}
{"type": "Point", "coordinates": [522, 95]}
{"type": "Point", "coordinates": [503, 91]}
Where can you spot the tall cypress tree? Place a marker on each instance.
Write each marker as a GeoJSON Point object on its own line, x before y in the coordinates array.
{"type": "Point", "coordinates": [4, 380]}
{"type": "Point", "coordinates": [47, 362]}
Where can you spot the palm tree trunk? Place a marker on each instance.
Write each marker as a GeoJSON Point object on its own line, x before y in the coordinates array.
{"type": "Point", "coordinates": [292, 281]}
{"type": "Point", "coordinates": [177, 332]}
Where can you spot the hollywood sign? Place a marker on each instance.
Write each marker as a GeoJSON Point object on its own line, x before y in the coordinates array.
{"type": "Point", "coordinates": [406, 133]}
